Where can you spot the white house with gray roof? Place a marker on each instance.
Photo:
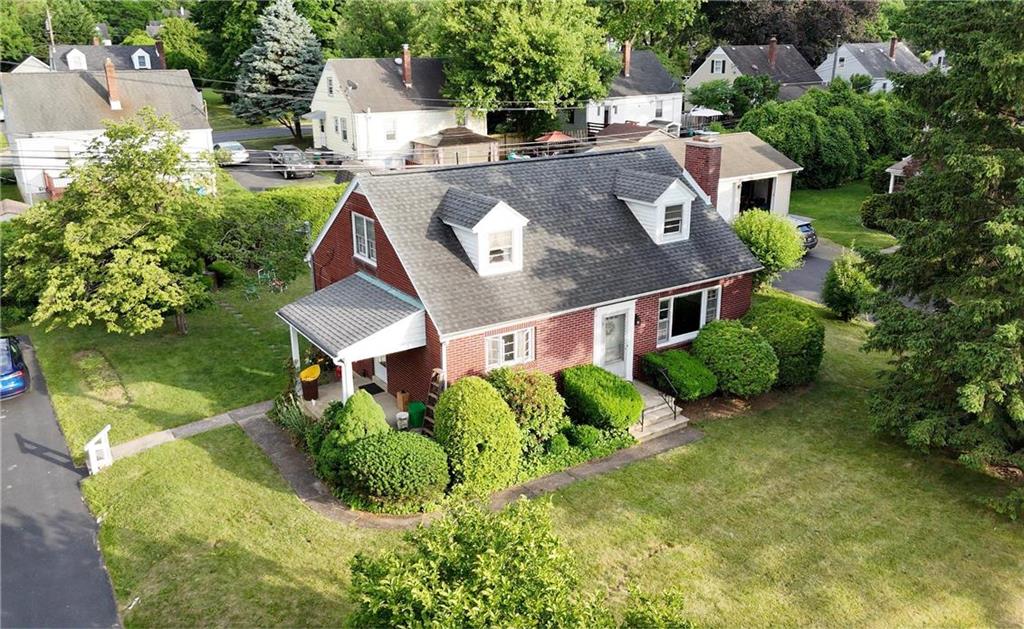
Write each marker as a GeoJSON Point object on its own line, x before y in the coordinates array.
{"type": "Point", "coordinates": [783, 63]}
{"type": "Point", "coordinates": [78, 58]}
{"type": "Point", "coordinates": [879, 60]}
{"type": "Point", "coordinates": [52, 117]}
{"type": "Point", "coordinates": [372, 110]}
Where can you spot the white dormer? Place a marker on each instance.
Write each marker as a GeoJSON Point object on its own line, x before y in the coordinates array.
{"type": "Point", "coordinates": [140, 59]}
{"type": "Point", "coordinates": [489, 230]}
{"type": "Point", "coordinates": [76, 60]}
{"type": "Point", "coordinates": [661, 204]}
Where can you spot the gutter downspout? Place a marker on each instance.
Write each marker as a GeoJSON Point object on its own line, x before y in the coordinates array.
{"type": "Point", "coordinates": [444, 362]}
{"type": "Point", "coordinates": [835, 61]}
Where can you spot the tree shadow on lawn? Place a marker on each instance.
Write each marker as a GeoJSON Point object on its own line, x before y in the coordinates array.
{"type": "Point", "coordinates": [814, 520]}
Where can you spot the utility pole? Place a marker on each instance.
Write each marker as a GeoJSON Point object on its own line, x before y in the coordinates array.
{"type": "Point", "coordinates": [835, 60]}
{"type": "Point", "coordinates": [49, 31]}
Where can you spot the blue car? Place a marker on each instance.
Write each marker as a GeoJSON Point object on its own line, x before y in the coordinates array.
{"type": "Point", "coordinates": [13, 371]}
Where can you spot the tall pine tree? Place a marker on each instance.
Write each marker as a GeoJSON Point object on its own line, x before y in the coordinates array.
{"type": "Point", "coordinates": [957, 380]}
{"type": "Point", "coordinates": [279, 73]}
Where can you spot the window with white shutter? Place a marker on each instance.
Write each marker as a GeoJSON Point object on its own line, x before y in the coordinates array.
{"type": "Point", "coordinates": [510, 348]}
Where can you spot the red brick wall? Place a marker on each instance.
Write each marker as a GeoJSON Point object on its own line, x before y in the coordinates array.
{"type": "Point", "coordinates": [568, 339]}
{"type": "Point", "coordinates": [410, 370]}
{"type": "Point", "coordinates": [703, 160]}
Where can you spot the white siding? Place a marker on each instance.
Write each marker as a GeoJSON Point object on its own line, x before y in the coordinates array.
{"type": "Point", "coordinates": [703, 74]}
{"type": "Point", "coordinates": [468, 240]}
{"type": "Point", "coordinates": [640, 109]}
{"type": "Point", "coordinates": [783, 184]}
{"type": "Point", "coordinates": [850, 67]}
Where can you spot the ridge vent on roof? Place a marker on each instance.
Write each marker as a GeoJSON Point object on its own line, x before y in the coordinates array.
{"type": "Point", "coordinates": [510, 162]}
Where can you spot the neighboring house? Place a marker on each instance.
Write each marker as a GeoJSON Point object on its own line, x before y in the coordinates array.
{"type": "Point", "coordinates": [51, 117]}
{"type": "Point", "coordinates": [103, 34]}
{"type": "Point", "coordinates": [878, 60]}
{"type": "Point", "coordinates": [546, 263]}
{"type": "Point", "coordinates": [31, 64]}
{"type": "Point", "coordinates": [73, 58]}
{"type": "Point", "coordinates": [623, 134]}
{"type": "Point", "coordinates": [458, 145]}
{"type": "Point", "coordinates": [900, 172]}
{"type": "Point", "coordinates": [783, 63]}
{"type": "Point", "coordinates": [642, 93]}
{"type": "Point", "coordinates": [372, 110]}
{"type": "Point", "coordinates": [938, 60]}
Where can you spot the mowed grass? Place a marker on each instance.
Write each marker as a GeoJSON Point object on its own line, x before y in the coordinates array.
{"type": "Point", "coordinates": [8, 184]}
{"type": "Point", "coordinates": [219, 114]}
{"type": "Point", "coordinates": [204, 532]}
{"type": "Point", "coordinates": [795, 514]}
{"type": "Point", "coordinates": [225, 362]}
{"type": "Point", "coordinates": [836, 214]}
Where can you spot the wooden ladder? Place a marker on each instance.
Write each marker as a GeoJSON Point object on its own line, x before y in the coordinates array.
{"type": "Point", "coordinates": [433, 393]}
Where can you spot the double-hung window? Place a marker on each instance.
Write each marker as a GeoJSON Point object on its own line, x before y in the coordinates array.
{"type": "Point", "coordinates": [673, 220]}
{"type": "Point", "coordinates": [718, 66]}
{"type": "Point", "coordinates": [344, 129]}
{"type": "Point", "coordinates": [680, 317]}
{"type": "Point", "coordinates": [330, 86]}
{"type": "Point", "coordinates": [499, 247]}
{"type": "Point", "coordinates": [842, 62]}
{"type": "Point", "coordinates": [389, 133]}
{"type": "Point", "coordinates": [659, 108]}
{"type": "Point", "coordinates": [511, 348]}
{"type": "Point", "coordinates": [362, 236]}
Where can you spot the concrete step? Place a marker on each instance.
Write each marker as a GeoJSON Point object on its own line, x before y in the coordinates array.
{"type": "Point", "coordinates": [658, 421]}
{"type": "Point", "coordinates": [664, 428]}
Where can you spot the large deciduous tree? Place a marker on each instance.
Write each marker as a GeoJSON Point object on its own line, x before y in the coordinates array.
{"type": "Point", "coordinates": [543, 54]}
{"type": "Point", "coordinates": [119, 247]}
{"type": "Point", "coordinates": [279, 73]}
{"type": "Point", "coordinates": [182, 46]}
{"type": "Point", "coordinates": [656, 24]}
{"type": "Point", "coordinates": [71, 20]}
{"type": "Point", "coordinates": [957, 377]}
{"type": "Point", "coordinates": [378, 28]}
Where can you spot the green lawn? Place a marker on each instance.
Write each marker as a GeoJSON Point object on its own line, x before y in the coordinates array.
{"type": "Point", "coordinates": [836, 214]}
{"type": "Point", "coordinates": [791, 514]}
{"type": "Point", "coordinates": [8, 186]}
{"type": "Point", "coordinates": [160, 380]}
{"type": "Point", "coordinates": [265, 144]}
{"type": "Point", "coordinates": [220, 116]}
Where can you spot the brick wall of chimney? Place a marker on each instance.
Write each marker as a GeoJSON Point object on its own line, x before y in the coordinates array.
{"type": "Point", "coordinates": [406, 66]}
{"type": "Point", "coordinates": [113, 91]}
{"type": "Point", "coordinates": [773, 51]}
{"type": "Point", "coordinates": [892, 47]}
{"type": "Point", "coordinates": [627, 57]}
{"type": "Point", "coordinates": [162, 62]}
{"type": "Point", "coordinates": [704, 163]}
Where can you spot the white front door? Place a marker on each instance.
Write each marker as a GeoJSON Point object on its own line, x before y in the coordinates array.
{"type": "Point", "coordinates": [613, 338]}
{"type": "Point", "coordinates": [380, 368]}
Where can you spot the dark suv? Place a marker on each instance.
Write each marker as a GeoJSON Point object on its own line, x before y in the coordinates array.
{"type": "Point", "coordinates": [803, 225]}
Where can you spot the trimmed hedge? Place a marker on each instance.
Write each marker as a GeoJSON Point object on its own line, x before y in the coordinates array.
{"type": "Point", "coordinates": [742, 359]}
{"type": "Point", "coordinates": [534, 399]}
{"type": "Point", "coordinates": [395, 468]}
{"type": "Point", "coordinates": [600, 398]}
{"type": "Point", "coordinates": [359, 417]}
{"type": "Point", "coordinates": [478, 431]}
{"type": "Point", "coordinates": [691, 379]}
{"type": "Point", "coordinates": [583, 436]}
{"type": "Point", "coordinates": [558, 444]}
{"type": "Point", "coordinates": [227, 273]}
{"type": "Point", "coordinates": [796, 335]}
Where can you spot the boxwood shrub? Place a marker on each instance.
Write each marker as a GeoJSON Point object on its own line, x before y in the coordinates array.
{"type": "Point", "coordinates": [741, 359]}
{"type": "Point", "coordinates": [395, 468]}
{"type": "Point", "coordinates": [479, 433]}
{"type": "Point", "coordinates": [534, 399]}
{"type": "Point", "coordinates": [600, 398]}
{"type": "Point", "coordinates": [796, 336]}
{"type": "Point", "coordinates": [691, 379]}
{"type": "Point", "coordinates": [583, 436]}
{"type": "Point", "coordinates": [360, 416]}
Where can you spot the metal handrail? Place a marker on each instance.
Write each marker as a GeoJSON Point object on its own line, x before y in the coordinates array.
{"type": "Point", "coordinates": [675, 392]}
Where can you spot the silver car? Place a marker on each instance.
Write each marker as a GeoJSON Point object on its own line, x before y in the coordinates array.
{"type": "Point", "coordinates": [231, 153]}
{"type": "Point", "coordinates": [291, 161]}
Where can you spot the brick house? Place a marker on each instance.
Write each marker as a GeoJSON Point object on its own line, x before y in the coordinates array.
{"type": "Point", "coordinates": [546, 263]}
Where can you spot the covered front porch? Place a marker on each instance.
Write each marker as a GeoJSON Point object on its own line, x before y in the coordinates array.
{"type": "Point", "coordinates": [332, 391]}
{"type": "Point", "coordinates": [355, 319]}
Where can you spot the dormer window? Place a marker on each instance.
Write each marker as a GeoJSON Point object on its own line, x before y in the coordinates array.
{"type": "Point", "coordinates": [673, 220]}
{"type": "Point", "coordinates": [76, 60]}
{"type": "Point", "coordinates": [141, 60]}
{"type": "Point", "coordinates": [661, 203]}
{"type": "Point", "coordinates": [489, 230]}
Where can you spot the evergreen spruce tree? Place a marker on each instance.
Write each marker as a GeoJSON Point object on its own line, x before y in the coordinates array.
{"type": "Point", "coordinates": [279, 73]}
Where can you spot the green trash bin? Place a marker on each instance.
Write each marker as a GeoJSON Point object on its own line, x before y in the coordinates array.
{"type": "Point", "coordinates": [416, 412]}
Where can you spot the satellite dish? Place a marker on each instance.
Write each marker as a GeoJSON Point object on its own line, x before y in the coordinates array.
{"type": "Point", "coordinates": [398, 61]}
{"type": "Point", "coordinates": [352, 85]}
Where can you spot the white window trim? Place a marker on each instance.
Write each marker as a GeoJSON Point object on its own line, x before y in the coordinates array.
{"type": "Point", "coordinates": [141, 61]}
{"type": "Point", "coordinates": [528, 345]}
{"type": "Point", "coordinates": [330, 86]}
{"type": "Point", "coordinates": [344, 129]}
{"type": "Point", "coordinates": [369, 230]}
{"type": "Point", "coordinates": [628, 308]}
{"type": "Point", "coordinates": [689, 336]}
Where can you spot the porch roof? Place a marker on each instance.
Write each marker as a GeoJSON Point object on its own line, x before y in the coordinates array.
{"type": "Point", "coordinates": [358, 317]}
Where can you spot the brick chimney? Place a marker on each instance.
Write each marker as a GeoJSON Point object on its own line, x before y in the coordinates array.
{"type": "Point", "coordinates": [95, 40]}
{"type": "Point", "coordinates": [627, 56]}
{"type": "Point", "coordinates": [703, 160]}
{"type": "Point", "coordinates": [113, 93]}
{"type": "Point", "coordinates": [892, 47]}
{"type": "Point", "coordinates": [773, 51]}
{"type": "Point", "coordinates": [162, 61]}
{"type": "Point", "coordinates": [406, 66]}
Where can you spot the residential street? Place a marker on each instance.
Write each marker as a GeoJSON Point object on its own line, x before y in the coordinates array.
{"type": "Point", "coordinates": [237, 135]}
{"type": "Point", "coordinates": [52, 572]}
{"type": "Point", "coordinates": [808, 279]}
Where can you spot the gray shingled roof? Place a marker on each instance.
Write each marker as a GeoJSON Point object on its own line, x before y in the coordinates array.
{"type": "Point", "coordinates": [348, 311]}
{"type": "Point", "coordinates": [582, 245]}
{"type": "Point", "coordinates": [379, 87]}
{"type": "Point", "coordinates": [646, 76]}
{"type": "Point", "coordinates": [641, 186]}
{"type": "Point", "coordinates": [96, 56]}
{"type": "Point", "coordinates": [874, 56]}
{"type": "Point", "coordinates": [790, 66]}
{"type": "Point", "coordinates": [77, 101]}
{"type": "Point", "coordinates": [464, 208]}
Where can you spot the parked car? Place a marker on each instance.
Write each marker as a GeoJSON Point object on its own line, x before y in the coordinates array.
{"type": "Point", "coordinates": [13, 371]}
{"type": "Point", "coordinates": [229, 153]}
{"type": "Point", "coordinates": [803, 225]}
{"type": "Point", "coordinates": [291, 161]}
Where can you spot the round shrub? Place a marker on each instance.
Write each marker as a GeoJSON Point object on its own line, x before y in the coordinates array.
{"type": "Point", "coordinates": [679, 372]}
{"type": "Point", "coordinates": [227, 273]}
{"type": "Point", "coordinates": [846, 288]}
{"type": "Point", "coordinates": [359, 417]}
{"type": "Point", "coordinates": [773, 240]}
{"type": "Point", "coordinates": [742, 359]}
{"type": "Point", "coordinates": [558, 444]}
{"type": "Point", "coordinates": [796, 337]}
{"type": "Point", "coordinates": [583, 436]}
{"type": "Point", "coordinates": [600, 398]}
{"type": "Point", "coordinates": [478, 431]}
{"type": "Point", "coordinates": [395, 468]}
{"type": "Point", "coordinates": [534, 400]}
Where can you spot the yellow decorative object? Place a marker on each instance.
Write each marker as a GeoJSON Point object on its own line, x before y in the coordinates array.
{"type": "Point", "coordinates": [309, 374]}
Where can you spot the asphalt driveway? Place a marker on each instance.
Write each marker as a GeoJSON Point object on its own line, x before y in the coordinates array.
{"type": "Point", "coordinates": [808, 279]}
{"type": "Point", "coordinates": [51, 572]}
{"type": "Point", "coordinates": [252, 133]}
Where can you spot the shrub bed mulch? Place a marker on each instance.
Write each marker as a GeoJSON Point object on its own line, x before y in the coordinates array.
{"type": "Point", "coordinates": [724, 407]}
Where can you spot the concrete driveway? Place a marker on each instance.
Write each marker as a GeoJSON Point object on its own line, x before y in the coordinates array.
{"type": "Point", "coordinates": [808, 279]}
{"type": "Point", "coordinates": [53, 574]}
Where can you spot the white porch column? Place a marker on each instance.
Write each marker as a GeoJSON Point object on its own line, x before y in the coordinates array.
{"type": "Point", "coordinates": [347, 385]}
{"type": "Point", "coordinates": [892, 182]}
{"type": "Point", "coordinates": [295, 347]}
